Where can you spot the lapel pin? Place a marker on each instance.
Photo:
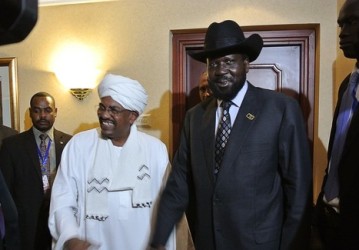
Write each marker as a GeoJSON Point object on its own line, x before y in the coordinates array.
{"type": "Point", "coordinates": [250, 116]}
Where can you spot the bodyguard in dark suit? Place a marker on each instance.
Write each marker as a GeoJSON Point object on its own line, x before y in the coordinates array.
{"type": "Point", "coordinates": [338, 203]}
{"type": "Point", "coordinates": [258, 195]}
{"type": "Point", "coordinates": [28, 174]}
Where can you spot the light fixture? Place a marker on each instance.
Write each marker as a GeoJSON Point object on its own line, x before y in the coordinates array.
{"type": "Point", "coordinates": [74, 67]}
{"type": "Point", "coordinates": [79, 82]}
{"type": "Point", "coordinates": [80, 93]}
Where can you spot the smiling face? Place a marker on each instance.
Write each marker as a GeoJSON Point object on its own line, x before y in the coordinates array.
{"type": "Point", "coordinates": [227, 74]}
{"type": "Point", "coordinates": [115, 120]}
{"type": "Point", "coordinates": [348, 21]}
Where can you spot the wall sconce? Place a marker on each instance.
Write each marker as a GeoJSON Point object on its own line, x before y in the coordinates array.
{"type": "Point", "coordinates": [79, 82]}
{"type": "Point", "coordinates": [74, 67]}
{"type": "Point", "coordinates": [80, 93]}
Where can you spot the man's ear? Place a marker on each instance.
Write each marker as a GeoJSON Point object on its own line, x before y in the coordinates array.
{"type": "Point", "coordinates": [246, 64]}
{"type": "Point", "coordinates": [133, 116]}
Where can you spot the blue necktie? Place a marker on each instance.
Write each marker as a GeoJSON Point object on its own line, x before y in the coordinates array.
{"type": "Point", "coordinates": [223, 131]}
{"type": "Point", "coordinates": [347, 108]}
{"type": "Point", "coordinates": [45, 162]}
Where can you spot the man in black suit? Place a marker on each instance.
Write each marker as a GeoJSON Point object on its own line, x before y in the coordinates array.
{"type": "Point", "coordinates": [259, 194]}
{"type": "Point", "coordinates": [338, 203]}
{"type": "Point", "coordinates": [29, 173]}
{"type": "Point", "coordinates": [10, 236]}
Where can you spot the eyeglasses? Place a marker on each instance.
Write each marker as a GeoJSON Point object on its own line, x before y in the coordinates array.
{"type": "Point", "coordinates": [111, 110]}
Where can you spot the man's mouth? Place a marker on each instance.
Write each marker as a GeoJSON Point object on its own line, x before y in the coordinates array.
{"type": "Point", "coordinates": [107, 123]}
{"type": "Point", "coordinates": [222, 83]}
{"type": "Point", "coordinates": [43, 122]}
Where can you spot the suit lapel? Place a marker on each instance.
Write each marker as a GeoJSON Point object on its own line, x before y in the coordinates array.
{"type": "Point", "coordinates": [343, 87]}
{"type": "Point", "coordinates": [31, 148]}
{"type": "Point", "coordinates": [207, 132]}
{"type": "Point", "coordinates": [353, 130]}
{"type": "Point", "coordinates": [246, 117]}
{"type": "Point", "coordinates": [59, 145]}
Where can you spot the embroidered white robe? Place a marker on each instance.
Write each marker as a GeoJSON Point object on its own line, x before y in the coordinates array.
{"type": "Point", "coordinates": [126, 227]}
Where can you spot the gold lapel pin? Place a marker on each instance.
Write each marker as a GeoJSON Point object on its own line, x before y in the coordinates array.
{"type": "Point", "coordinates": [250, 116]}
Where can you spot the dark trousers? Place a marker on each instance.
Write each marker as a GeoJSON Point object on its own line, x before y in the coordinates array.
{"type": "Point", "coordinates": [43, 239]}
{"type": "Point", "coordinates": [327, 224]}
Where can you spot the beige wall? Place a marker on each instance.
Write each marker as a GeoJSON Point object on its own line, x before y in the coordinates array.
{"type": "Point", "coordinates": [132, 38]}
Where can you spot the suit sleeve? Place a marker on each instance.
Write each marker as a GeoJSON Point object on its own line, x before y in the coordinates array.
{"type": "Point", "coordinates": [6, 165]}
{"type": "Point", "coordinates": [12, 231]}
{"type": "Point", "coordinates": [296, 171]}
{"type": "Point", "coordinates": [174, 199]}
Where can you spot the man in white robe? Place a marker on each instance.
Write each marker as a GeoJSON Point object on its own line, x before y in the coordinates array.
{"type": "Point", "coordinates": [109, 178]}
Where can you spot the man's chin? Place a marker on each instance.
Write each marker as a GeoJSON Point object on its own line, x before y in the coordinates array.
{"type": "Point", "coordinates": [43, 128]}
{"type": "Point", "coordinates": [224, 96]}
{"type": "Point", "coordinates": [349, 53]}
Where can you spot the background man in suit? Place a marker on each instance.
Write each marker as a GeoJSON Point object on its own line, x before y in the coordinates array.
{"type": "Point", "coordinates": [258, 195]}
{"type": "Point", "coordinates": [338, 203]}
{"type": "Point", "coordinates": [10, 221]}
{"type": "Point", "coordinates": [29, 173]}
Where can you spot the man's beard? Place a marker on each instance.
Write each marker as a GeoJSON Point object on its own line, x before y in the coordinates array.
{"type": "Point", "coordinates": [227, 95]}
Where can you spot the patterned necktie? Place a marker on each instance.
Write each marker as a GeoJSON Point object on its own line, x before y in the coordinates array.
{"type": "Point", "coordinates": [347, 108]}
{"type": "Point", "coordinates": [45, 162]}
{"type": "Point", "coordinates": [223, 131]}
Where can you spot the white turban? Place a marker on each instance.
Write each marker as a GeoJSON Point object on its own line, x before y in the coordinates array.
{"type": "Point", "coordinates": [127, 92]}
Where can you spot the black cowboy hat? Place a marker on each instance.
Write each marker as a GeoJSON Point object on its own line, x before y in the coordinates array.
{"type": "Point", "coordinates": [227, 38]}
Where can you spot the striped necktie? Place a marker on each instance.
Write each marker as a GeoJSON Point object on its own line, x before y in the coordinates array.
{"type": "Point", "coordinates": [223, 131]}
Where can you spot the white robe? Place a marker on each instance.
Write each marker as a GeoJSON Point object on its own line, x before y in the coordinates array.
{"type": "Point", "coordinates": [126, 227]}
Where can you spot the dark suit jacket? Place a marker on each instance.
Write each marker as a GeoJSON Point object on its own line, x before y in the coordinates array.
{"type": "Point", "coordinates": [7, 204]}
{"type": "Point", "coordinates": [20, 165]}
{"type": "Point", "coordinates": [263, 190]}
{"type": "Point", "coordinates": [348, 176]}
{"type": "Point", "coordinates": [6, 132]}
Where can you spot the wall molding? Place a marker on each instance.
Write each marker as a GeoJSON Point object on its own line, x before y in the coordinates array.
{"type": "Point", "coordinates": [43, 3]}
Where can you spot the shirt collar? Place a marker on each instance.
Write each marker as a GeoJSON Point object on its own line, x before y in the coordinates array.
{"type": "Point", "coordinates": [50, 133]}
{"type": "Point", "coordinates": [355, 69]}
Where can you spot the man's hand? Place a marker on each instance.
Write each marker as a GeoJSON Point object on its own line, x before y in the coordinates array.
{"type": "Point", "coordinates": [76, 244]}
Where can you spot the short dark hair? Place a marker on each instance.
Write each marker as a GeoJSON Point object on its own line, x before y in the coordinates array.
{"type": "Point", "coordinates": [42, 94]}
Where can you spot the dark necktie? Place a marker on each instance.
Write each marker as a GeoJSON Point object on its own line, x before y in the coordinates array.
{"type": "Point", "coordinates": [45, 162]}
{"type": "Point", "coordinates": [347, 108]}
{"type": "Point", "coordinates": [223, 131]}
